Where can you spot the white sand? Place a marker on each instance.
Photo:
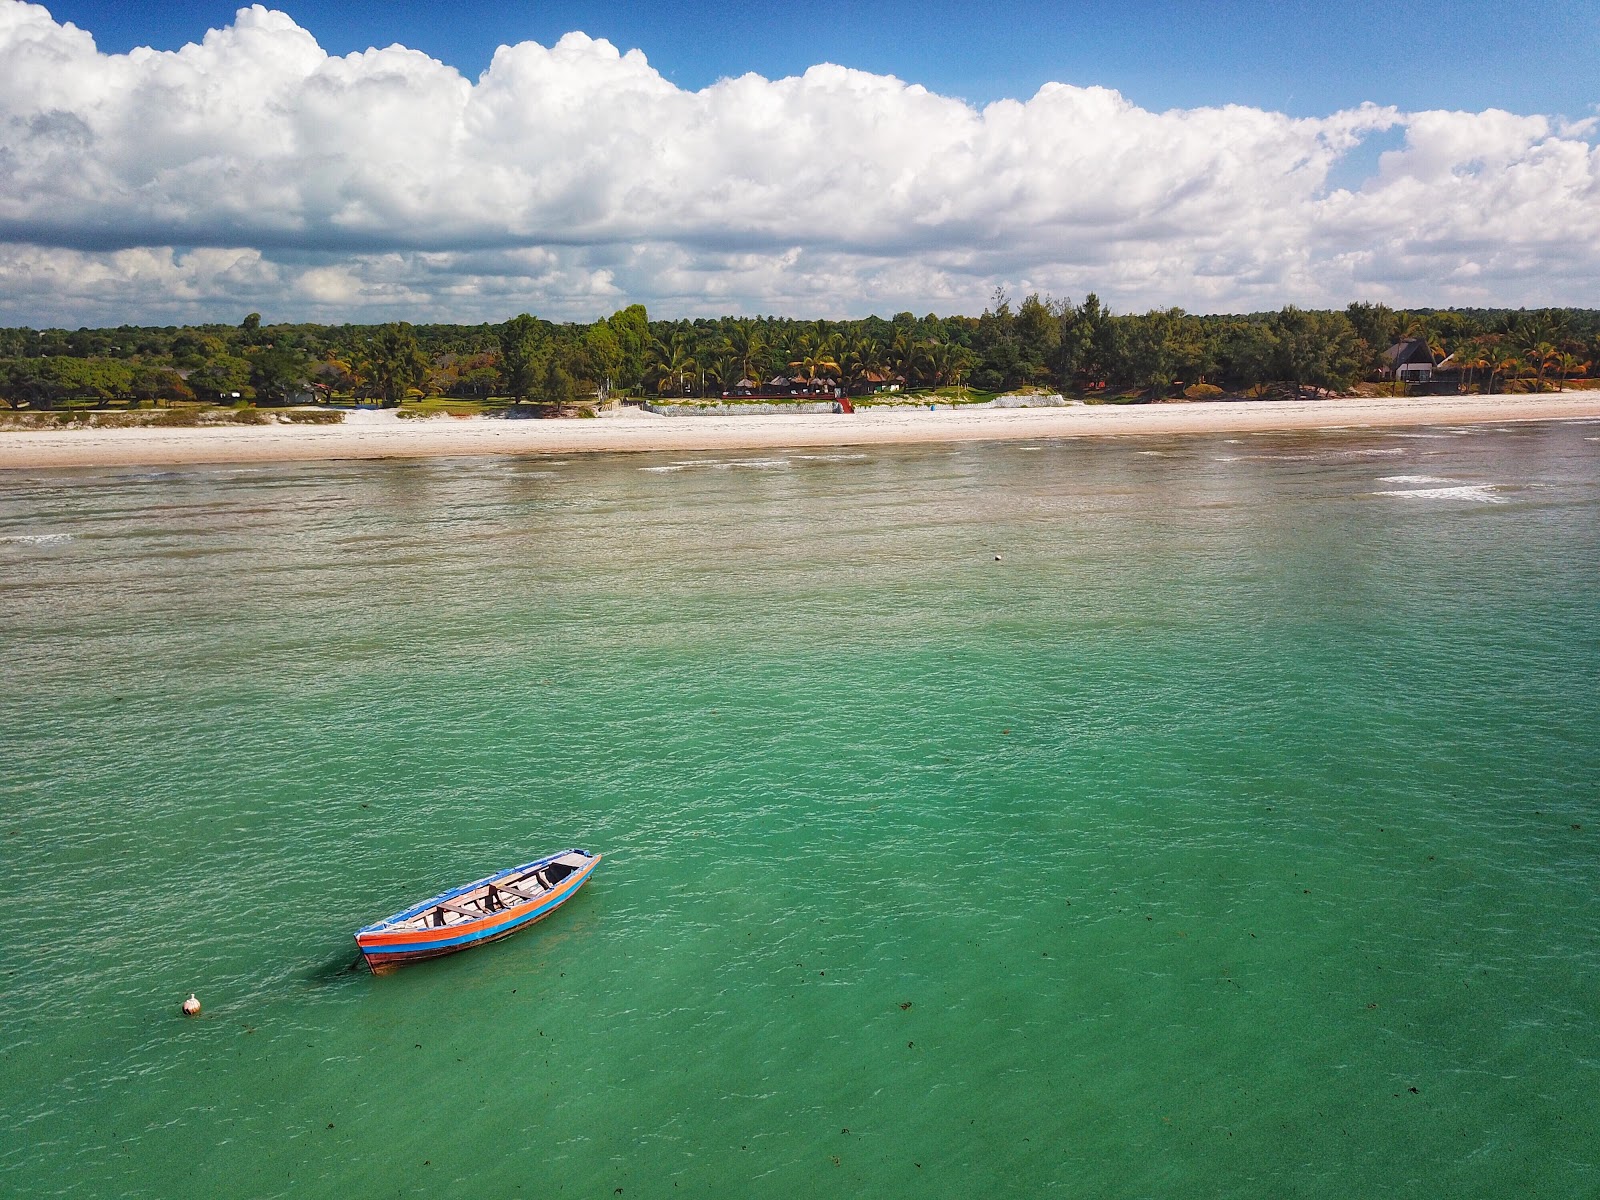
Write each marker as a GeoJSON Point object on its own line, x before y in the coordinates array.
{"type": "Point", "coordinates": [383, 435]}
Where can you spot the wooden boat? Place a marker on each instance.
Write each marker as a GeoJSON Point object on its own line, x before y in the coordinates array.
{"type": "Point", "coordinates": [483, 911]}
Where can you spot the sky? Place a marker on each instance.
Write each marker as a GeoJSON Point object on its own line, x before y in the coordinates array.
{"type": "Point", "coordinates": [185, 162]}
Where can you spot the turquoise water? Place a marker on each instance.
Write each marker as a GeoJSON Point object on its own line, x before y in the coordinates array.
{"type": "Point", "coordinates": [1236, 833]}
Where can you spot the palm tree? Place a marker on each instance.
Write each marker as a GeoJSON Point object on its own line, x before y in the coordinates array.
{"type": "Point", "coordinates": [906, 357]}
{"type": "Point", "coordinates": [1542, 356]}
{"type": "Point", "coordinates": [815, 361]}
{"type": "Point", "coordinates": [857, 361]}
{"type": "Point", "coordinates": [742, 346]}
{"type": "Point", "coordinates": [1570, 365]}
{"type": "Point", "coordinates": [1472, 355]}
{"type": "Point", "coordinates": [947, 363]}
{"type": "Point", "coordinates": [672, 363]}
{"type": "Point", "coordinates": [1503, 363]}
{"type": "Point", "coordinates": [392, 363]}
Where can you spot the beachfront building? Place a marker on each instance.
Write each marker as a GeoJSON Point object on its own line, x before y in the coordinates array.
{"type": "Point", "coordinates": [1409, 360]}
{"type": "Point", "coordinates": [1412, 361]}
{"type": "Point", "coordinates": [782, 387]}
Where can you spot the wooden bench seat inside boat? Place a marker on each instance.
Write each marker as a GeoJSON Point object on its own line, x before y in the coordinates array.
{"type": "Point", "coordinates": [512, 891]}
{"type": "Point", "coordinates": [447, 906]}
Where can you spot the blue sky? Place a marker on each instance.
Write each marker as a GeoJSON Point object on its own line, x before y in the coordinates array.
{"type": "Point", "coordinates": [468, 161]}
{"type": "Point", "coordinates": [1293, 56]}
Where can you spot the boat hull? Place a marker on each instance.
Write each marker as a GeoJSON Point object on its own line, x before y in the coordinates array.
{"type": "Point", "coordinates": [384, 949]}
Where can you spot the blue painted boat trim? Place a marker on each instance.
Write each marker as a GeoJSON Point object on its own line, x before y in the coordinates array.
{"type": "Point", "coordinates": [417, 910]}
{"type": "Point", "coordinates": [467, 939]}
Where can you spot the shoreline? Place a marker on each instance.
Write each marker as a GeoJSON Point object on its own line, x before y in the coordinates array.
{"type": "Point", "coordinates": [383, 435]}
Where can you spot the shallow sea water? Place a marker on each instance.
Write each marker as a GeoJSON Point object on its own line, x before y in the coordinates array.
{"type": "Point", "coordinates": [1235, 833]}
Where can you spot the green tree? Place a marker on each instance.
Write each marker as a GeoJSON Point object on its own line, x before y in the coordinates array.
{"type": "Point", "coordinates": [672, 367]}
{"type": "Point", "coordinates": [523, 356]}
{"type": "Point", "coordinates": [1152, 350]}
{"type": "Point", "coordinates": [946, 364]}
{"type": "Point", "coordinates": [278, 374]}
{"type": "Point", "coordinates": [743, 347]}
{"type": "Point", "coordinates": [601, 356]}
{"type": "Point", "coordinates": [392, 363]}
{"type": "Point", "coordinates": [1038, 332]}
{"type": "Point", "coordinates": [220, 377]}
{"type": "Point", "coordinates": [1316, 349]}
{"type": "Point", "coordinates": [558, 385]}
{"type": "Point", "coordinates": [632, 328]}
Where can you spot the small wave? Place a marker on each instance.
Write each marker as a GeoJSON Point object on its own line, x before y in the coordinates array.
{"type": "Point", "coordinates": [37, 539]}
{"type": "Point", "coordinates": [754, 464]}
{"type": "Point", "coordinates": [1414, 479]}
{"type": "Point", "coordinates": [717, 464]}
{"type": "Point", "coordinates": [1479, 493]}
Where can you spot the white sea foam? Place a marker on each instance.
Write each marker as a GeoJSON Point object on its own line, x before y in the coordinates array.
{"type": "Point", "coordinates": [37, 539]}
{"type": "Point", "coordinates": [1414, 479]}
{"type": "Point", "coordinates": [1478, 493]}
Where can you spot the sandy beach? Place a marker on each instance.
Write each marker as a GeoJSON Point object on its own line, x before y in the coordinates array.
{"type": "Point", "coordinates": [384, 435]}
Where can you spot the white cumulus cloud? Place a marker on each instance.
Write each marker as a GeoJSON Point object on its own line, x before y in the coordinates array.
{"type": "Point", "coordinates": [252, 170]}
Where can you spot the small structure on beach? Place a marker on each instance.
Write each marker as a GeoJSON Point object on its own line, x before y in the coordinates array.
{"type": "Point", "coordinates": [782, 387]}
{"type": "Point", "coordinates": [1410, 360]}
{"type": "Point", "coordinates": [1413, 361]}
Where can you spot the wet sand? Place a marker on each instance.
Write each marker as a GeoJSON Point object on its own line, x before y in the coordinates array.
{"type": "Point", "coordinates": [384, 435]}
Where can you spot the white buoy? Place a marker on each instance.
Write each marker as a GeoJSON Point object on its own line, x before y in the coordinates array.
{"type": "Point", "coordinates": [191, 1006]}
{"type": "Point", "coordinates": [997, 558]}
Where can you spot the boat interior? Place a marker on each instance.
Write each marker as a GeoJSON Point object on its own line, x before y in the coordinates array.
{"type": "Point", "coordinates": [508, 891]}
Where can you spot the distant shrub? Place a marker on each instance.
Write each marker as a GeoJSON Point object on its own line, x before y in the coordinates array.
{"type": "Point", "coordinates": [250, 416]}
{"type": "Point", "coordinates": [1202, 391]}
{"type": "Point", "coordinates": [310, 416]}
{"type": "Point", "coordinates": [172, 418]}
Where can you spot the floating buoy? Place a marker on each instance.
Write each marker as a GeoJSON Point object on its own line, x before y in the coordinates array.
{"type": "Point", "coordinates": [997, 558]}
{"type": "Point", "coordinates": [191, 1006]}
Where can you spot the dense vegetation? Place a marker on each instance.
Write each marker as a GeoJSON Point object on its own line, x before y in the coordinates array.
{"type": "Point", "coordinates": [1039, 343]}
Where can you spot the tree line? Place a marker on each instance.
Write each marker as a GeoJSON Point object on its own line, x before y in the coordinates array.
{"type": "Point", "coordinates": [1039, 343]}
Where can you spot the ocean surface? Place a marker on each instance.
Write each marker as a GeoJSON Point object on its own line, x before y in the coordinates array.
{"type": "Point", "coordinates": [1203, 816]}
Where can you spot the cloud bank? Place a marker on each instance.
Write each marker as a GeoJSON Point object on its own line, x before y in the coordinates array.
{"type": "Point", "coordinates": [255, 171]}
